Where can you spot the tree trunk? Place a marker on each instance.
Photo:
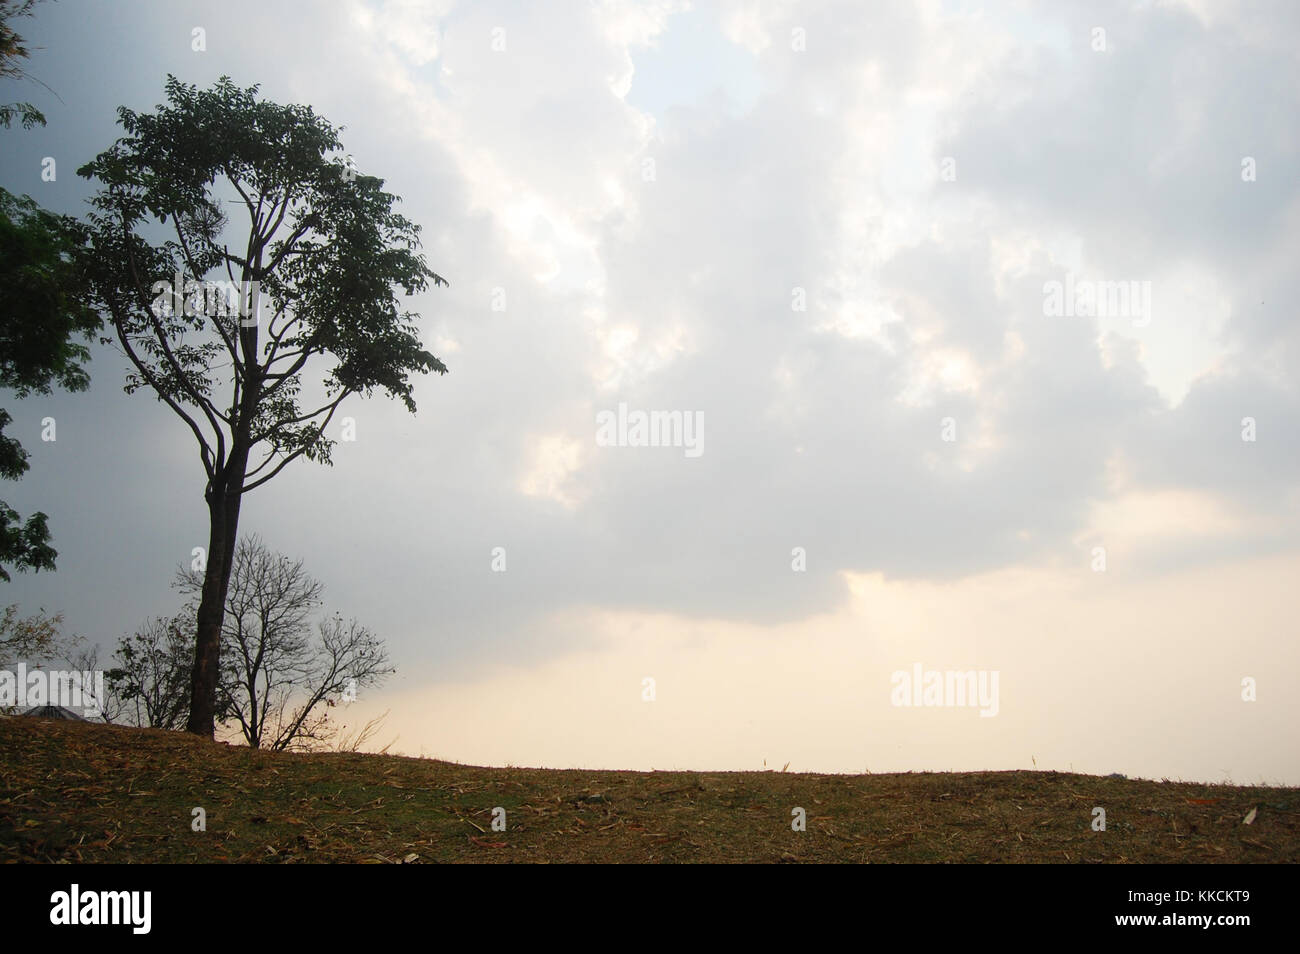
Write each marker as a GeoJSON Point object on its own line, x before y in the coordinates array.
{"type": "Point", "coordinates": [223, 518]}
{"type": "Point", "coordinates": [224, 493]}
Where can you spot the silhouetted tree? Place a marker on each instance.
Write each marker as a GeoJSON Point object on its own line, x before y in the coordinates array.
{"type": "Point", "coordinates": [309, 286]}
{"type": "Point", "coordinates": [152, 678]}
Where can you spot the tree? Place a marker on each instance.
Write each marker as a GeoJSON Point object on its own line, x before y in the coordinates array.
{"type": "Point", "coordinates": [84, 657]}
{"type": "Point", "coordinates": [277, 681]}
{"type": "Point", "coordinates": [43, 310]}
{"type": "Point", "coordinates": [32, 638]}
{"type": "Point", "coordinates": [323, 251]}
{"type": "Point", "coordinates": [12, 51]}
{"type": "Point", "coordinates": [152, 678]}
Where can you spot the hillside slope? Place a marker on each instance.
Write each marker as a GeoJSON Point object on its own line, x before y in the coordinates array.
{"type": "Point", "coordinates": [95, 793]}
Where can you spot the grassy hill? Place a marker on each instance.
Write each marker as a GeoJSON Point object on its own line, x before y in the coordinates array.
{"type": "Point", "coordinates": [96, 793]}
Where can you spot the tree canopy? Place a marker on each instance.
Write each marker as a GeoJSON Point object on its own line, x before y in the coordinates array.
{"type": "Point", "coordinates": [323, 246]}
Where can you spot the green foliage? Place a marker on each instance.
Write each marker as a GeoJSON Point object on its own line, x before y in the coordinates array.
{"type": "Point", "coordinates": [27, 115]}
{"type": "Point", "coordinates": [24, 545]}
{"type": "Point", "coordinates": [12, 50]}
{"type": "Point", "coordinates": [42, 312]}
{"type": "Point", "coordinates": [323, 245]}
{"type": "Point", "coordinates": [31, 639]}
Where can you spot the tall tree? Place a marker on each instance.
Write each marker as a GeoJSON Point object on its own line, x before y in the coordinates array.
{"type": "Point", "coordinates": [309, 286]}
{"type": "Point", "coordinates": [43, 313]}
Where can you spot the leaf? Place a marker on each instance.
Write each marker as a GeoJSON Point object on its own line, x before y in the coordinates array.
{"type": "Point", "coordinates": [1250, 817]}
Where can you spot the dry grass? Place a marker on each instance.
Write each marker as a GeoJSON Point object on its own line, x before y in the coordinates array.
{"type": "Point", "coordinates": [93, 793]}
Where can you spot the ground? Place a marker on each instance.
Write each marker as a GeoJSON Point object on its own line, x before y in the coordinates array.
{"type": "Point", "coordinates": [95, 793]}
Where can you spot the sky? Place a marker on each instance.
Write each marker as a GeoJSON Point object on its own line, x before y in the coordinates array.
{"type": "Point", "coordinates": [852, 248]}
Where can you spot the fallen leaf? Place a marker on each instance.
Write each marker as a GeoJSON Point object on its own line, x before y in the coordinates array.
{"type": "Point", "coordinates": [1250, 817]}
